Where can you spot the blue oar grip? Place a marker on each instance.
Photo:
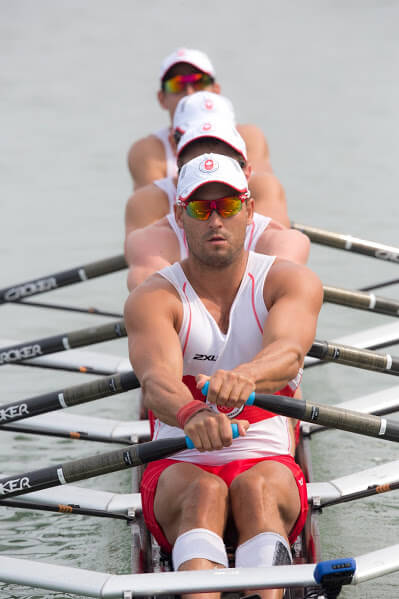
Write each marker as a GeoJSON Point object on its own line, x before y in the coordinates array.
{"type": "Point", "coordinates": [249, 401]}
{"type": "Point", "coordinates": [234, 430]}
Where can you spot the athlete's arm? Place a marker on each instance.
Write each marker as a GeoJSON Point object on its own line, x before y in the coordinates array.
{"type": "Point", "coordinates": [279, 241]}
{"type": "Point", "coordinates": [293, 295]}
{"type": "Point", "coordinates": [257, 147]}
{"type": "Point", "coordinates": [145, 206]}
{"type": "Point", "coordinates": [152, 316]}
{"type": "Point", "coordinates": [146, 161]}
{"type": "Point", "coordinates": [269, 197]}
{"type": "Point", "coordinates": [148, 250]}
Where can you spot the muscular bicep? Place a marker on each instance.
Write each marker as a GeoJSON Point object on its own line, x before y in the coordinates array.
{"type": "Point", "coordinates": [153, 341]}
{"type": "Point", "coordinates": [293, 306]}
{"type": "Point", "coordinates": [146, 161]}
{"type": "Point", "coordinates": [144, 207]}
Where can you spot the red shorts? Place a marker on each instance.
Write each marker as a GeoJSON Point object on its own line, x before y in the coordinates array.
{"type": "Point", "coordinates": [227, 472]}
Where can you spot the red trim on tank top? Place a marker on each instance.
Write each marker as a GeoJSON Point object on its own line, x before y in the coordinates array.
{"type": "Point", "coordinates": [251, 235]}
{"type": "Point", "coordinates": [251, 276]}
{"type": "Point", "coordinates": [189, 319]}
{"type": "Point", "coordinates": [185, 240]}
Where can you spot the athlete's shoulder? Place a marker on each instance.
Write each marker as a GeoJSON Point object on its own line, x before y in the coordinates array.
{"type": "Point", "coordinates": [146, 160]}
{"type": "Point", "coordinates": [287, 277]}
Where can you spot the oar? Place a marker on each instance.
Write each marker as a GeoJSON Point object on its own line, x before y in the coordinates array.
{"type": "Point", "coordinates": [49, 345]}
{"type": "Point", "coordinates": [137, 455]}
{"type": "Point", "coordinates": [90, 310]}
{"type": "Point", "coordinates": [362, 301]}
{"type": "Point", "coordinates": [65, 509]}
{"type": "Point", "coordinates": [342, 354]}
{"type": "Point", "coordinates": [351, 244]}
{"type": "Point", "coordinates": [61, 279]}
{"type": "Point", "coordinates": [380, 285]}
{"type": "Point", "coordinates": [371, 490]}
{"type": "Point", "coordinates": [67, 397]}
{"type": "Point", "coordinates": [61, 474]}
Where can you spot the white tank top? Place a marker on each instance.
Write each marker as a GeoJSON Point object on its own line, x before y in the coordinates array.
{"type": "Point", "coordinates": [168, 186]}
{"type": "Point", "coordinates": [171, 166]}
{"type": "Point", "coordinates": [254, 231]}
{"type": "Point", "coordinates": [206, 349]}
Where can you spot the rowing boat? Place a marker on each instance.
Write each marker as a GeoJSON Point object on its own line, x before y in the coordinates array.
{"type": "Point", "coordinates": [147, 559]}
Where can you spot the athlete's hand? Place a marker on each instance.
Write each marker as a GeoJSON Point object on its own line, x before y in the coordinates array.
{"type": "Point", "coordinates": [227, 388]}
{"type": "Point", "coordinates": [209, 430]}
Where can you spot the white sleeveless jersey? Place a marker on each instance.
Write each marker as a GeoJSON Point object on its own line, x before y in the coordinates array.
{"type": "Point", "coordinates": [171, 166]}
{"type": "Point", "coordinates": [167, 185]}
{"type": "Point", "coordinates": [254, 231]}
{"type": "Point", "coordinates": [206, 349]}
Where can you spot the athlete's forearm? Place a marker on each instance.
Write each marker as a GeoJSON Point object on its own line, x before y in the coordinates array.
{"type": "Point", "coordinates": [274, 366]}
{"type": "Point", "coordinates": [164, 395]}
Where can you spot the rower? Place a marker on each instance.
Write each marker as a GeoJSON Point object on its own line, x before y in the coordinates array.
{"type": "Point", "coordinates": [240, 321]}
{"type": "Point", "coordinates": [183, 73]}
{"type": "Point", "coordinates": [151, 202]}
{"type": "Point", "coordinates": [163, 242]}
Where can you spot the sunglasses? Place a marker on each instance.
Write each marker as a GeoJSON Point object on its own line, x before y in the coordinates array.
{"type": "Point", "coordinates": [225, 207]}
{"type": "Point", "coordinates": [178, 84]}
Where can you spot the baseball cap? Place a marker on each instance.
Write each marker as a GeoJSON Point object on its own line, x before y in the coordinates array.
{"type": "Point", "coordinates": [220, 130]}
{"type": "Point", "coordinates": [210, 168]}
{"type": "Point", "coordinates": [196, 58]}
{"type": "Point", "coordinates": [200, 106]}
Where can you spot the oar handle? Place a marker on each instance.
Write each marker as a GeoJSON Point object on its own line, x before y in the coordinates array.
{"type": "Point", "coordinates": [249, 401]}
{"type": "Point", "coordinates": [234, 430]}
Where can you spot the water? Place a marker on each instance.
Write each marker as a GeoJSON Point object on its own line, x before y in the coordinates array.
{"type": "Point", "coordinates": [78, 83]}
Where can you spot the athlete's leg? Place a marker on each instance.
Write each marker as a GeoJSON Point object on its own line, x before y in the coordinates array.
{"type": "Point", "coordinates": [190, 499]}
{"type": "Point", "coordinates": [264, 499]}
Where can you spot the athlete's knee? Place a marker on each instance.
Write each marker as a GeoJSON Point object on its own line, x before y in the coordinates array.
{"type": "Point", "coordinates": [205, 489]}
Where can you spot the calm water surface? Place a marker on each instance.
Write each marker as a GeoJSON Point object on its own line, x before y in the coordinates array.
{"type": "Point", "coordinates": [78, 83]}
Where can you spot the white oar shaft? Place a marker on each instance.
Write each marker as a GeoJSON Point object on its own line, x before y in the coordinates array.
{"type": "Point", "coordinates": [351, 244]}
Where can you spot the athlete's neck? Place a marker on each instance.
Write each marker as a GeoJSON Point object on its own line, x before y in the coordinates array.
{"type": "Point", "coordinates": [219, 283]}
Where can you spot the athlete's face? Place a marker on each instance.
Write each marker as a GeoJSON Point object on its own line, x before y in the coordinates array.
{"type": "Point", "coordinates": [216, 242]}
{"type": "Point", "coordinates": [169, 101]}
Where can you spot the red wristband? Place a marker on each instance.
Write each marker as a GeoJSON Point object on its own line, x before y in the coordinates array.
{"type": "Point", "coordinates": [188, 410]}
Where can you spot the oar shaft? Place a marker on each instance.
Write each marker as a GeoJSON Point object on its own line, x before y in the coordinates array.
{"type": "Point", "coordinates": [61, 279]}
{"type": "Point", "coordinates": [90, 310]}
{"type": "Point", "coordinates": [361, 301]}
{"type": "Point", "coordinates": [352, 356]}
{"type": "Point", "coordinates": [369, 492]}
{"type": "Point", "coordinates": [347, 420]}
{"type": "Point", "coordinates": [70, 396]}
{"type": "Point", "coordinates": [50, 345]}
{"type": "Point", "coordinates": [69, 472]}
{"type": "Point", "coordinates": [351, 244]}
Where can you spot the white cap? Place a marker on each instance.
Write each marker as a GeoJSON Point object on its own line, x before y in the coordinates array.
{"type": "Point", "coordinates": [202, 106]}
{"type": "Point", "coordinates": [196, 58]}
{"type": "Point", "coordinates": [210, 168]}
{"type": "Point", "coordinates": [220, 130]}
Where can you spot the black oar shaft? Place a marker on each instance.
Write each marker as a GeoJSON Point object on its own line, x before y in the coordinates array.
{"type": "Point", "coordinates": [49, 345]}
{"type": "Point", "coordinates": [90, 310]}
{"type": "Point", "coordinates": [61, 279]}
{"type": "Point", "coordinates": [69, 472]}
{"type": "Point", "coordinates": [352, 356]}
{"type": "Point", "coordinates": [369, 492]}
{"type": "Point", "coordinates": [70, 396]}
{"type": "Point", "coordinates": [347, 420]}
{"type": "Point", "coordinates": [351, 244]}
{"type": "Point", "coordinates": [361, 301]}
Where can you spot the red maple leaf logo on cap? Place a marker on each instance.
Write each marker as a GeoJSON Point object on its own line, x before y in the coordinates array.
{"type": "Point", "coordinates": [181, 52]}
{"type": "Point", "coordinates": [208, 166]}
{"type": "Point", "coordinates": [206, 127]}
{"type": "Point", "coordinates": [208, 104]}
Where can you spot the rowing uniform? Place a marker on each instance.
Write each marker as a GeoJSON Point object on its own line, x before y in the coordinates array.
{"type": "Point", "coordinates": [171, 166]}
{"type": "Point", "coordinates": [205, 350]}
